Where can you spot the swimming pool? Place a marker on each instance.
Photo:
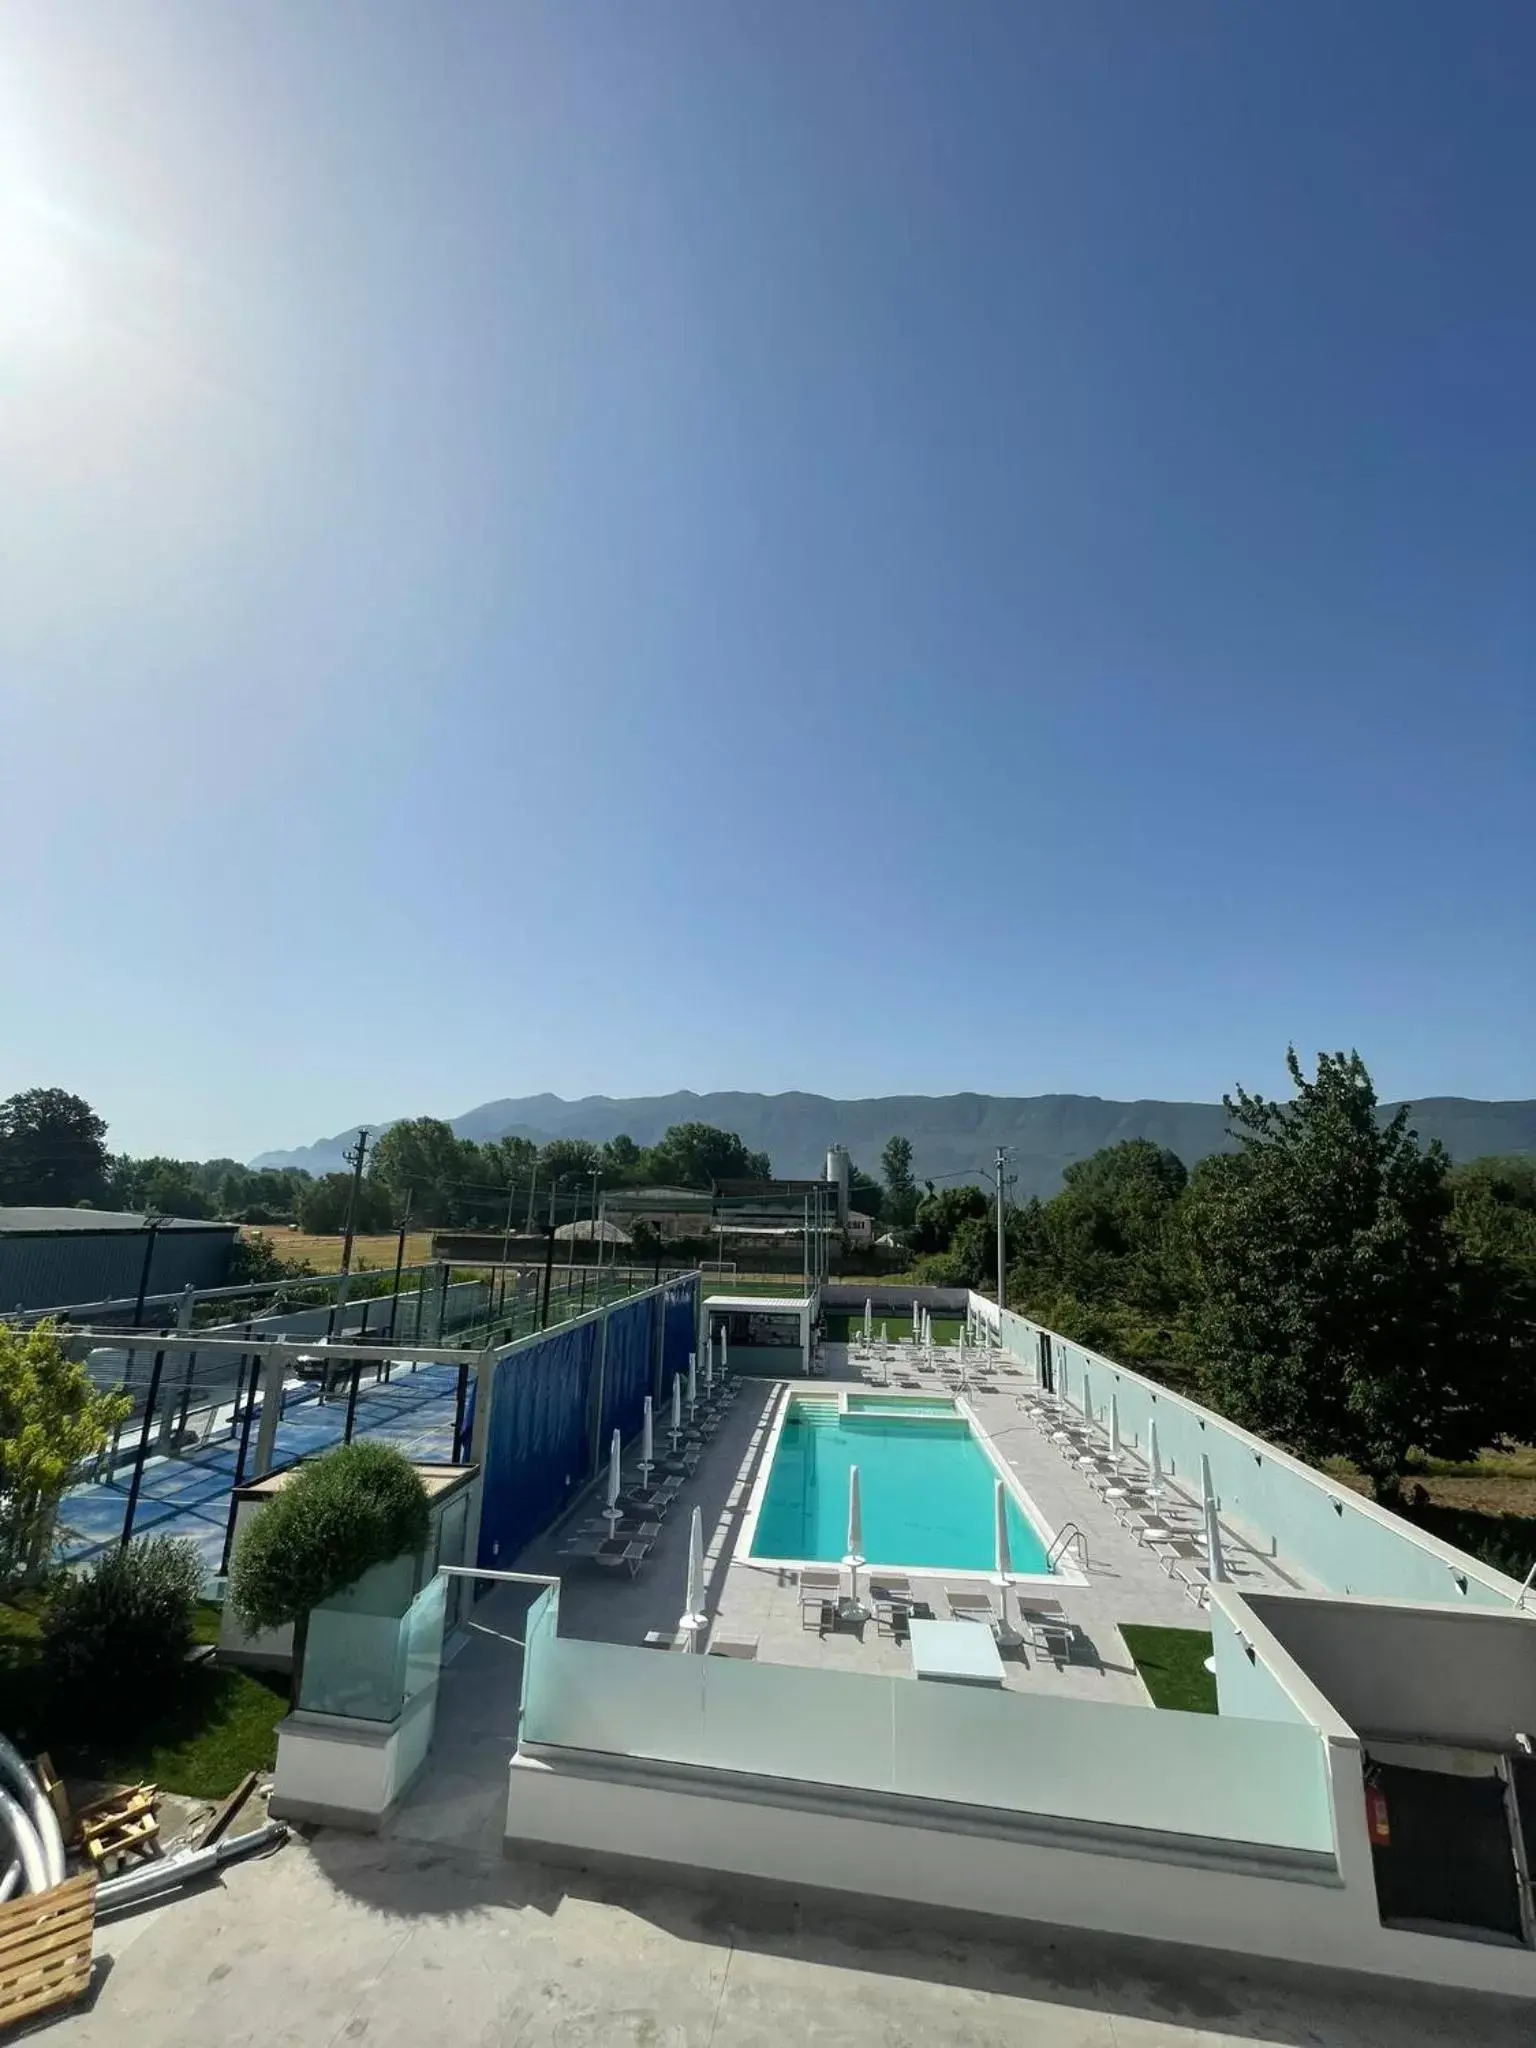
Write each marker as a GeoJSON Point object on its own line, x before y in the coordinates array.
{"type": "Point", "coordinates": [926, 1490]}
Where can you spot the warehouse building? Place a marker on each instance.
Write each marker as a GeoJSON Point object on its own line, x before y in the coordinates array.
{"type": "Point", "coordinates": [60, 1258]}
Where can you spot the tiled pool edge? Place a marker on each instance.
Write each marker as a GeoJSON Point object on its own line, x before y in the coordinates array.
{"type": "Point", "coordinates": [1063, 1573]}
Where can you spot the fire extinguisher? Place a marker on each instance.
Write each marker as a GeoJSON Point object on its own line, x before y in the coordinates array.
{"type": "Point", "coordinates": [1377, 1823]}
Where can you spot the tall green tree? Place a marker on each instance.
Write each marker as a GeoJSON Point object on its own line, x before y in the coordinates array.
{"type": "Point", "coordinates": [52, 1150]}
{"type": "Point", "coordinates": [865, 1193]}
{"type": "Point", "coordinates": [696, 1155]}
{"type": "Point", "coordinates": [508, 1162]}
{"type": "Point", "coordinates": [1334, 1308]}
{"type": "Point", "coordinates": [623, 1162]}
{"type": "Point", "coordinates": [323, 1205]}
{"type": "Point", "coordinates": [51, 1420]}
{"type": "Point", "coordinates": [441, 1172]}
{"type": "Point", "coordinates": [939, 1215]}
{"type": "Point", "coordinates": [900, 1203]}
{"type": "Point", "coordinates": [565, 1162]}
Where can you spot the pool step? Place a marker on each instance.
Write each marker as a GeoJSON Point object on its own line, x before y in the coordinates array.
{"type": "Point", "coordinates": [817, 1404]}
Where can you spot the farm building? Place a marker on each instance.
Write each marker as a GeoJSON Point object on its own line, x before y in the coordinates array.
{"type": "Point", "coordinates": [56, 1258]}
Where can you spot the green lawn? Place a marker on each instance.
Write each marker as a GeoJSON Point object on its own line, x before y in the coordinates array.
{"type": "Point", "coordinates": [1172, 1665]}
{"type": "Point", "coordinates": [221, 1726]}
{"type": "Point", "coordinates": [842, 1328]}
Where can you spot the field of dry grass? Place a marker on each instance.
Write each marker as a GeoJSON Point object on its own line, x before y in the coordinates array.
{"type": "Point", "coordinates": [374, 1254]}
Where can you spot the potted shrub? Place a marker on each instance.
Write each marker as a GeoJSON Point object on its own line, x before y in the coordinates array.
{"type": "Point", "coordinates": [339, 1515]}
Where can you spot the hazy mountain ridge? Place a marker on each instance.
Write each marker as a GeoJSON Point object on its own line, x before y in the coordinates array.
{"type": "Point", "coordinates": [951, 1134]}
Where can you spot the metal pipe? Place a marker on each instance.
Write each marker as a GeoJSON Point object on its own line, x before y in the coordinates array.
{"type": "Point", "coordinates": [27, 1843]}
{"type": "Point", "coordinates": [11, 1879]}
{"type": "Point", "coordinates": [39, 1808]}
{"type": "Point", "coordinates": [174, 1871]}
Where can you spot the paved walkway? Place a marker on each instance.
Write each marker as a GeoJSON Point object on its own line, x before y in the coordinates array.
{"type": "Point", "coordinates": [349, 1939]}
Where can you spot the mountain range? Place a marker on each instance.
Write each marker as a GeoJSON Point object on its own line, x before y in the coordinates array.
{"type": "Point", "coordinates": [951, 1134]}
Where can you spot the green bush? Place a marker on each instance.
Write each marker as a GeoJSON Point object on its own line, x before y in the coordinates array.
{"type": "Point", "coordinates": [116, 1635]}
{"type": "Point", "coordinates": [356, 1507]}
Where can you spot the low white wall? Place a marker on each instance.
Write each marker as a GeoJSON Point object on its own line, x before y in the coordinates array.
{"type": "Point", "coordinates": [349, 1773]}
{"type": "Point", "coordinates": [1261, 1782]}
{"type": "Point", "coordinates": [681, 1825]}
{"type": "Point", "coordinates": [1464, 1677]}
{"type": "Point", "coordinates": [1332, 1535]}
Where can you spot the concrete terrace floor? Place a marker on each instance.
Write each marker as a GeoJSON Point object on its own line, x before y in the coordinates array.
{"type": "Point", "coordinates": [348, 1939]}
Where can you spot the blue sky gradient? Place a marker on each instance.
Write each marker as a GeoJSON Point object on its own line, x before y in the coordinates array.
{"type": "Point", "coordinates": [861, 547]}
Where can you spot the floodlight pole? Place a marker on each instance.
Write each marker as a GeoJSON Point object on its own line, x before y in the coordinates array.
{"type": "Point", "coordinates": [1002, 1286]}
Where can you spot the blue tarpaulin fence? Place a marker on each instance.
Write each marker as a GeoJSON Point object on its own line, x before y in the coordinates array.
{"type": "Point", "coordinates": [536, 1449]}
{"type": "Point", "coordinates": [539, 1446]}
{"type": "Point", "coordinates": [679, 1331]}
{"type": "Point", "coordinates": [627, 1367]}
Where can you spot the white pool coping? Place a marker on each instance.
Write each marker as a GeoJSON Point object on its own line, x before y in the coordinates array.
{"type": "Point", "coordinates": [836, 1393]}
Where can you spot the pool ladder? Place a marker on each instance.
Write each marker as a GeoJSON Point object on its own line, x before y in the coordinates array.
{"type": "Point", "coordinates": [1068, 1537]}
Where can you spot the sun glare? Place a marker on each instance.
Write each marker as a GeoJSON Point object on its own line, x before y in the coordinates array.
{"type": "Point", "coordinates": [44, 299]}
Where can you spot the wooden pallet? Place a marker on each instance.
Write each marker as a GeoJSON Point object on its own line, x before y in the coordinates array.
{"type": "Point", "coordinates": [45, 1948]}
{"type": "Point", "coordinates": [121, 1825]}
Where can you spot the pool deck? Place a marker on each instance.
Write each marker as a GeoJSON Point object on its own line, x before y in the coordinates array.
{"type": "Point", "coordinates": [460, 1800]}
{"type": "Point", "coordinates": [1124, 1582]}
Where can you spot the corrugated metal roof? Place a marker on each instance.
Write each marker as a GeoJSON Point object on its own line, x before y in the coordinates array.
{"type": "Point", "coordinates": [31, 1221]}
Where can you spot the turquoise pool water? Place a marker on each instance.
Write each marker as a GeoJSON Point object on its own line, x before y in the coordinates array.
{"type": "Point", "coordinates": [925, 1488]}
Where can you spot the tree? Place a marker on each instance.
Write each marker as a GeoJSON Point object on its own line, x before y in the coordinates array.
{"type": "Point", "coordinates": [323, 1206]}
{"type": "Point", "coordinates": [1494, 1211]}
{"type": "Point", "coordinates": [565, 1161]}
{"type": "Point", "coordinates": [939, 1216]}
{"type": "Point", "coordinates": [52, 1150]}
{"type": "Point", "coordinates": [169, 1190]}
{"type": "Point", "coordinates": [698, 1155]}
{"type": "Point", "coordinates": [338, 1516]}
{"type": "Point", "coordinates": [1105, 1237]}
{"type": "Point", "coordinates": [508, 1163]}
{"type": "Point", "coordinates": [51, 1420]}
{"type": "Point", "coordinates": [623, 1162]}
{"type": "Point", "coordinates": [865, 1194]}
{"type": "Point", "coordinates": [1335, 1310]}
{"type": "Point", "coordinates": [442, 1173]}
{"type": "Point", "coordinates": [900, 1188]}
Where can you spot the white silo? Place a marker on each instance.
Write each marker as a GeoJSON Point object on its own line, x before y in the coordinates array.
{"type": "Point", "coordinates": [837, 1174]}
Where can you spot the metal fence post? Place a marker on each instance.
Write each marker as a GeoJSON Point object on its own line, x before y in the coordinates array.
{"type": "Point", "coordinates": [150, 1398]}
{"type": "Point", "coordinates": [600, 1378]}
{"type": "Point", "coordinates": [272, 1372]}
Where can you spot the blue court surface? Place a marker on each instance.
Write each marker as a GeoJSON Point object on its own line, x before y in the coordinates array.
{"type": "Point", "coordinates": [187, 1495]}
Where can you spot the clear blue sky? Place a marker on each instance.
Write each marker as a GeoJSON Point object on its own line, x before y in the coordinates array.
{"type": "Point", "coordinates": [863, 547]}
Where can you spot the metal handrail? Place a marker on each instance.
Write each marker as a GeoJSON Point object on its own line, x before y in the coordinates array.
{"type": "Point", "coordinates": [1068, 1534]}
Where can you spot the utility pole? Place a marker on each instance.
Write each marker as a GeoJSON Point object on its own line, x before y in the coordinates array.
{"type": "Point", "coordinates": [1002, 1267]}
{"type": "Point", "coordinates": [506, 1245]}
{"type": "Point", "coordinates": [405, 1224]}
{"type": "Point", "coordinates": [355, 1160]}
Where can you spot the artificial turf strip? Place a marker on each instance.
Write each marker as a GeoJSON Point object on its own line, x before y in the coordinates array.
{"type": "Point", "coordinates": [1172, 1666]}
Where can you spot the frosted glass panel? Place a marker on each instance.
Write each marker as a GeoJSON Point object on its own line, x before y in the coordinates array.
{"type": "Point", "coordinates": [610, 1696]}
{"type": "Point", "coordinates": [1188, 1774]}
{"type": "Point", "coordinates": [424, 1637]}
{"type": "Point", "coordinates": [1183, 1774]}
{"type": "Point", "coordinates": [823, 1727]}
{"type": "Point", "coordinates": [354, 1664]}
